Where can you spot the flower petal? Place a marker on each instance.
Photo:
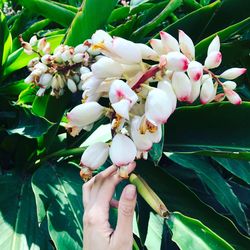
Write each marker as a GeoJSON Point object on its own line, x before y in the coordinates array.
{"type": "Point", "coordinates": [213, 60]}
{"type": "Point", "coordinates": [169, 42]}
{"type": "Point", "coordinates": [186, 45]}
{"type": "Point", "coordinates": [233, 73]}
{"type": "Point", "coordinates": [214, 46]}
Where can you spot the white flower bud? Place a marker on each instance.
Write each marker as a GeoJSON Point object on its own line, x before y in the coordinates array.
{"type": "Point", "coordinates": [45, 79]}
{"type": "Point", "coordinates": [41, 66]}
{"type": "Point", "coordinates": [208, 91]}
{"type": "Point", "coordinates": [81, 48]}
{"type": "Point", "coordinates": [195, 71]}
{"type": "Point", "coordinates": [176, 61]}
{"type": "Point", "coordinates": [33, 62]}
{"type": "Point", "coordinates": [71, 85]}
{"type": "Point", "coordinates": [100, 36]}
{"type": "Point", "coordinates": [27, 47]}
{"type": "Point", "coordinates": [158, 107]}
{"type": "Point", "coordinates": [122, 151]}
{"type": "Point", "coordinates": [214, 45]}
{"type": "Point", "coordinates": [41, 43]}
{"type": "Point", "coordinates": [213, 60]}
{"type": "Point", "coordinates": [29, 79]}
{"type": "Point", "coordinates": [47, 48]}
{"type": "Point", "coordinates": [33, 40]}
{"type": "Point", "coordinates": [232, 73]}
{"type": "Point", "coordinates": [106, 67]}
{"type": "Point", "coordinates": [66, 56]}
{"type": "Point", "coordinates": [95, 155]}
{"type": "Point", "coordinates": [168, 89]}
{"type": "Point", "coordinates": [85, 114]}
{"type": "Point", "coordinates": [182, 86]}
{"type": "Point", "coordinates": [46, 59]}
{"type": "Point", "coordinates": [77, 58]}
{"type": "Point", "coordinates": [169, 42]}
{"type": "Point", "coordinates": [84, 70]}
{"type": "Point", "coordinates": [230, 85]}
{"type": "Point", "coordinates": [186, 45]}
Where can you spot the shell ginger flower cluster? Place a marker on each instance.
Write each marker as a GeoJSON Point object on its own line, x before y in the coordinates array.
{"type": "Point", "coordinates": [142, 85]}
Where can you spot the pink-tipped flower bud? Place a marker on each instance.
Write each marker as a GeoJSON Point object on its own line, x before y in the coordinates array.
{"type": "Point", "coordinates": [106, 67]}
{"type": "Point", "coordinates": [176, 61]}
{"type": "Point", "coordinates": [208, 91]}
{"type": "Point", "coordinates": [232, 96]}
{"type": "Point", "coordinates": [213, 60]}
{"type": "Point", "coordinates": [233, 73]}
{"type": "Point", "coordinates": [122, 150]}
{"type": "Point", "coordinates": [158, 107]}
{"type": "Point", "coordinates": [186, 45]}
{"type": "Point", "coordinates": [47, 48]}
{"type": "Point", "coordinates": [157, 46]}
{"type": "Point", "coordinates": [169, 42]}
{"type": "Point", "coordinates": [195, 71]}
{"type": "Point", "coordinates": [182, 86]}
{"type": "Point", "coordinates": [214, 46]}
{"type": "Point", "coordinates": [95, 155]}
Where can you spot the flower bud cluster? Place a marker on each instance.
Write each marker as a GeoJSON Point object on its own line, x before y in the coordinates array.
{"type": "Point", "coordinates": [59, 69]}
{"type": "Point", "coordinates": [142, 85]}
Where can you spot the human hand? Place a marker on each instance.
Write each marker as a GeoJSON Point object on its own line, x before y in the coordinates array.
{"type": "Point", "coordinates": [97, 197]}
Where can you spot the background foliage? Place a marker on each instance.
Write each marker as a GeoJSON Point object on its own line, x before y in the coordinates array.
{"type": "Point", "coordinates": [203, 176]}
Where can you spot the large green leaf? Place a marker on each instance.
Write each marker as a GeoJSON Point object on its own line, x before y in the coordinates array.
{"type": "Point", "coordinates": [49, 10]}
{"type": "Point", "coordinates": [19, 59]}
{"type": "Point", "coordinates": [18, 220]}
{"type": "Point", "coordinates": [178, 197]}
{"type": "Point", "coordinates": [191, 234]}
{"type": "Point", "coordinates": [88, 20]}
{"type": "Point", "coordinates": [58, 194]}
{"type": "Point", "coordinates": [213, 127]}
{"type": "Point", "coordinates": [29, 125]}
{"type": "Point", "coordinates": [239, 168]}
{"type": "Point", "coordinates": [216, 183]}
{"type": "Point", "coordinates": [5, 40]}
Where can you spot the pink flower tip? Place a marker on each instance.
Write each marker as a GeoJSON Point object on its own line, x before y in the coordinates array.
{"type": "Point", "coordinates": [185, 64]}
{"type": "Point", "coordinates": [218, 57]}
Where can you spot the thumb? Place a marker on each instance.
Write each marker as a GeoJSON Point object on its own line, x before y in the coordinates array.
{"type": "Point", "coordinates": [124, 228]}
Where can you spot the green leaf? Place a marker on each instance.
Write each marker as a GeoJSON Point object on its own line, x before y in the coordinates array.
{"type": "Point", "coordinates": [177, 197]}
{"type": "Point", "coordinates": [27, 95]}
{"type": "Point", "coordinates": [239, 168]}
{"type": "Point", "coordinates": [118, 14]}
{"type": "Point", "coordinates": [50, 10]}
{"type": "Point", "coordinates": [19, 59]}
{"type": "Point", "coordinates": [5, 40]}
{"type": "Point", "coordinates": [198, 19]}
{"type": "Point", "coordinates": [59, 199]}
{"type": "Point", "coordinates": [216, 183]}
{"type": "Point", "coordinates": [209, 127]}
{"type": "Point", "coordinates": [88, 20]}
{"type": "Point", "coordinates": [148, 27]}
{"type": "Point", "coordinates": [18, 220]}
{"type": "Point", "coordinates": [191, 234]}
{"type": "Point", "coordinates": [13, 88]}
{"type": "Point", "coordinates": [29, 125]}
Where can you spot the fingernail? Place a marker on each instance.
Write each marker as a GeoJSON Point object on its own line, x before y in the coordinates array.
{"type": "Point", "coordinates": [130, 192]}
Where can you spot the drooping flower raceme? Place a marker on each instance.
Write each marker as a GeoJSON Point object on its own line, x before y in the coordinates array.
{"type": "Point", "coordinates": [141, 85]}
